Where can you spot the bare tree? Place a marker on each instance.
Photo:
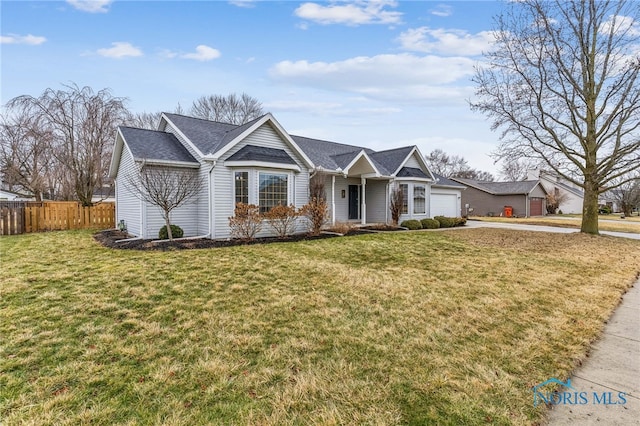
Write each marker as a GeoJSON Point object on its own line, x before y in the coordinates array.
{"type": "Point", "coordinates": [475, 175]}
{"type": "Point", "coordinates": [144, 120]}
{"type": "Point", "coordinates": [561, 84]}
{"type": "Point", "coordinates": [444, 164]}
{"type": "Point", "coordinates": [627, 194]}
{"type": "Point", "coordinates": [447, 165]}
{"type": "Point", "coordinates": [82, 124]}
{"type": "Point", "coordinates": [396, 201]}
{"type": "Point", "coordinates": [166, 188]}
{"type": "Point", "coordinates": [227, 109]}
{"type": "Point", "coordinates": [554, 200]}
{"type": "Point", "coordinates": [515, 169]}
{"type": "Point", "coordinates": [25, 152]}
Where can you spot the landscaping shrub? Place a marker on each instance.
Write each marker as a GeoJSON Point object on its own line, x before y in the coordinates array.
{"type": "Point", "coordinates": [282, 219]}
{"type": "Point", "coordinates": [246, 221]}
{"type": "Point", "coordinates": [430, 224]}
{"type": "Point", "coordinates": [176, 232]}
{"type": "Point", "coordinates": [342, 228]}
{"type": "Point", "coordinates": [604, 209]}
{"type": "Point", "coordinates": [317, 212]}
{"type": "Point", "coordinates": [445, 222]}
{"type": "Point", "coordinates": [395, 205]}
{"type": "Point", "coordinates": [461, 221]}
{"type": "Point", "coordinates": [411, 224]}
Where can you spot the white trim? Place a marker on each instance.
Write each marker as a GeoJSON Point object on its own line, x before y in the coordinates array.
{"type": "Point", "coordinates": [412, 179]}
{"type": "Point", "coordinates": [177, 129]}
{"type": "Point", "coordinates": [361, 154]}
{"type": "Point", "coordinates": [413, 199]}
{"type": "Point", "coordinates": [263, 164]}
{"type": "Point", "coordinates": [363, 202]}
{"type": "Point", "coordinates": [420, 159]}
{"type": "Point", "coordinates": [333, 200]}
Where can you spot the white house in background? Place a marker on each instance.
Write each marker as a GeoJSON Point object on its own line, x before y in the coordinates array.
{"type": "Point", "coordinates": [260, 163]}
{"type": "Point", "coordinates": [551, 182]}
{"type": "Point", "coordinates": [6, 195]}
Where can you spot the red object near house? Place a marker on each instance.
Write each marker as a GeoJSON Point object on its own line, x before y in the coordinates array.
{"type": "Point", "coordinates": [508, 211]}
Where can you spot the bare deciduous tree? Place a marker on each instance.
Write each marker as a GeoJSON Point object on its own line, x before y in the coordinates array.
{"type": "Point", "coordinates": [515, 169]}
{"type": "Point", "coordinates": [25, 152]}
{"type": "Point", "coordinates": [166, 188]}
{"type": "Point", "coordinates": [227, 109]}
{"type": "Point", "coordinates": [627, 194]}
{"type": "Point", "coordinates": [447, 165]}
{"type": "Point", "coordinates": [81, 123]}
{"type": "Point", "coordinates": [554, 200]}
{"type": "Point", "coordinates": [562, 85]}
{"type": "Point", "coordinates": [396, 201]}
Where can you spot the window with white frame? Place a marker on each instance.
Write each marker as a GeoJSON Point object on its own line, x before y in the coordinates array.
{"type": "Point", "coordinates": [419, 199]}
{"type": "Point", "coordinates": [242, 187]}
{"type": "Point", "coordinates": [405, 198]}
{"type": "Point", "coordinates": [273, 189]}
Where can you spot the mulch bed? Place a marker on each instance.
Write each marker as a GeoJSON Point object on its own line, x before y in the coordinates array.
{"type": "Point", "coordinates": [110, 238]}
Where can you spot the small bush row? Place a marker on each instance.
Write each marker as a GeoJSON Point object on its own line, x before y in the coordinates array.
{"type": "Point", "coordinates": [247, 220]}
{"type": "Point", "coordinates": [435, 223]}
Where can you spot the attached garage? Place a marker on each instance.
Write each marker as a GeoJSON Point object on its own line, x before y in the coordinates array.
{"type": "Point", "coordinates": [445, 197]}
{"type": "Point", "coordinates": [444, 205]}
{"type": "Point", "coordinates": [535, 206]}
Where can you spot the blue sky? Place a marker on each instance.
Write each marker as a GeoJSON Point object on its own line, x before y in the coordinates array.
{"type": "Point", "coordinates": [380, 74]}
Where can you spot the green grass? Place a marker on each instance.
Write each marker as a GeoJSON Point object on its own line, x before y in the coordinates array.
{"type": "Point", "coordinates": [417, 328]}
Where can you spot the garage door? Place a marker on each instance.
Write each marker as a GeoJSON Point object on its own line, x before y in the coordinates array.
{"type": "Point", "coordinates": [535, 204]}
{"type": "Point", "coordinates": [444, 205]}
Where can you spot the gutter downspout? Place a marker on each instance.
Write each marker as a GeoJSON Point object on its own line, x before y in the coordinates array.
{"type": "Point", "coordinates": [333, 200]}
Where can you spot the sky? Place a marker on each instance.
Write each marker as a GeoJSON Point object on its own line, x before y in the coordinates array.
{"type": "Point", "coordinates": [380, 74]}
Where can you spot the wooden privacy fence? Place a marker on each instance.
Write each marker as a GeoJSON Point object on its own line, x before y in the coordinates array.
{"type": "Point", "coordinates": [19, 217]}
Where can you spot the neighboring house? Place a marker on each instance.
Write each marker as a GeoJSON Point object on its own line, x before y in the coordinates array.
{"type": "Point", "coordinates": [260, 163]}
{"type": "Point", "coordinates": [104, 194]}
{"type": "Point", "coordinates": [446, 197]}
{"type": "Point", "coordinates": [552, 183]}
{"type": "Point", "coordinates": [481, 198]}
{"type": "Point", "coordinates": [6, 195]}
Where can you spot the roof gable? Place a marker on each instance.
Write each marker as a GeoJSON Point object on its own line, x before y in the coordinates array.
{"type": "Point", "coordinates": [207, 136]}
{"type": "Point", "coordinates": [446, 182]}
{"type": "Point", "coordinates": [155, 146]}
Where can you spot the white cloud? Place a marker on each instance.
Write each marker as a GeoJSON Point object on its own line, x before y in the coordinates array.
{"type": "Point", "coordinates": [446, 41]}
{"type": "Point", "coordinates": [203, 53]}
{"type": "Point", "coordinates": [442, 10]}
{"type": "Point", "coordinates": [401, 77]}
{"type": "Point", "coordinates": [91, 6]}
{"type": "Point", "coordinates": [120, 49]}
{"type": "Point", "coordinates": [356, 13]}
{"type": "Point", "coordinates": [621, 24]}
{"type": "Point", "coordinates": [243, 3]}
{"type": "Point", "coordinates": [18, 39]}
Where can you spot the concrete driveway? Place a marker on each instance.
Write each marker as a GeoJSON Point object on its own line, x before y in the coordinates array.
{"type": "Point", "coordinates": [539, 228]}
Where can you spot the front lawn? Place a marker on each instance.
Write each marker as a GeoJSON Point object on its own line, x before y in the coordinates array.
{"type": "Point", "coordinates": [452, 327]}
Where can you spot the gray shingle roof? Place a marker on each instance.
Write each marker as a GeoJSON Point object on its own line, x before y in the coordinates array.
{"type": "Point", "coordinates": [155, 145]}
{"type": "Point", "coordinates": [391, 159]}
{"type": "Point", "coordinates": [443, 181]}
{"type": "Point", "coordinates": [500, 188]}
{"type": "Point", "coordinates": [411, 172]}
{"type": "Point", "coordinates": [324, 153]}
{"type": "Point", "coordinates": [208, 136]}
{"type": "Point", "coordinates": [260, 153]}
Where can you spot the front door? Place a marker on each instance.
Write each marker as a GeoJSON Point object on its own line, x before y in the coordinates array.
{"type": "Point", "coordinates": [354, 201]}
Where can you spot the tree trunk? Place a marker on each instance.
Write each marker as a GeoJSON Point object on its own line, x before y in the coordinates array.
{"type": "Point", "coordinates": [168, 224]}
{"type": "Point", "coordinates": [590, 209]}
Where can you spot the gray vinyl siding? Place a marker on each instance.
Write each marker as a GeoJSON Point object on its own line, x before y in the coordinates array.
{"type": "Point", "coordinates": [127, 204]}
{"type": "Point", "coordinates": [537, 192]}
{"type": "Point", "coordinates": [413, 162]}
{"type": "Point", "coordinates": [185, 216]}
{"type": "Point", "coordinates": [483, 203]}
{"type": "Point", "coordinates": [224, 197]}
{"type": "Point", "coordinates": [376, 200]}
